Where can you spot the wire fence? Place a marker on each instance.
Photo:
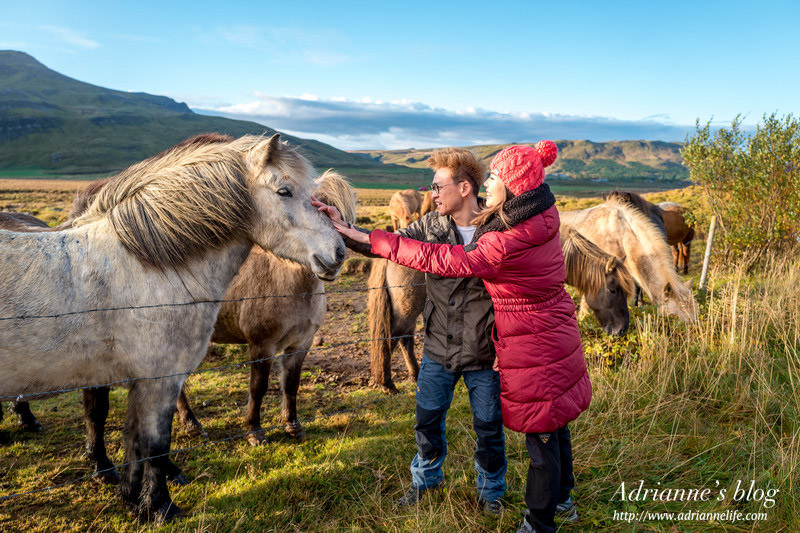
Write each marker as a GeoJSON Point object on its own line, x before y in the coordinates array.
{"type": "Point", "coordinates": [240, 364]}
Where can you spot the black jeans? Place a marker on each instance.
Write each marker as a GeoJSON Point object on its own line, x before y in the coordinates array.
{"type": "Point", "coordinates": [550, 477]}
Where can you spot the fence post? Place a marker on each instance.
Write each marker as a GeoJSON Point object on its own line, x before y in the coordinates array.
{"type": "Point", "coordinates": [707, 257]}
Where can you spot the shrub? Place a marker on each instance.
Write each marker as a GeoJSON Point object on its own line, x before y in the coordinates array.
{"type": "Point", "coordinates": [751, 181]}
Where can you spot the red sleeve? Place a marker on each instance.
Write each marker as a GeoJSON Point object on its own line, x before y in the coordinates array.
{"type": "Point", "coordinates": [477, 260]}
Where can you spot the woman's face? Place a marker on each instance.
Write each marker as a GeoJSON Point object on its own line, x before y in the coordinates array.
{"type": "Point", "coordinates": [495, 190]}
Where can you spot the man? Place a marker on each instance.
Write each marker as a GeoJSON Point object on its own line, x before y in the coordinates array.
{"type": "Point", "coordinates": [458, 318]}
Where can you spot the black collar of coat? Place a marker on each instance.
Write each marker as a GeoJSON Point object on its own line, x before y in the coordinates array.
{"type": "Point", "coordinates": [519, 209]}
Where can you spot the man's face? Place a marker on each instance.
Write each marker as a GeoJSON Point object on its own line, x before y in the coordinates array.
{"type": "Point", "coordinates": [448, 200]}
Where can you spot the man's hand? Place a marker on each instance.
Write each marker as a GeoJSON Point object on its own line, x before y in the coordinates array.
{"type": "Point", "coordinates": [341, 226]}
{"type": "Point", "coordinates": [329, 210]}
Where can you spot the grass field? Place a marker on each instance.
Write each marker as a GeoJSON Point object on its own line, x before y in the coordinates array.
{"type": "Point", "coordinates": [677, 406]}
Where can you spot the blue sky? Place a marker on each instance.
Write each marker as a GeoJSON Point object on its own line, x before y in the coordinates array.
{"type": "Point", "coordinates": [395, 75]}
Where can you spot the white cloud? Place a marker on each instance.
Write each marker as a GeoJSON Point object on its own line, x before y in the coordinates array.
{"type": "Point", "coordinates": [71, 36]}
{"type": "Point", "coordinates": [367, 123]}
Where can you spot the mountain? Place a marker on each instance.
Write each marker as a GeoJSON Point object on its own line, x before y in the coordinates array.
{"type": "Point", "coordinates": [51, 123]}
{"type": "Point", "coordinates": [648, 160]}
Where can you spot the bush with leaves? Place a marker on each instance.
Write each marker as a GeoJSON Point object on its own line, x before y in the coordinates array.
{"type": "Point", "coordinates": [751, 181]}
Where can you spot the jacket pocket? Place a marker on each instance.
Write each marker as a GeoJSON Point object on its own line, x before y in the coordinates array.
{"type": "Point", "coordinates": [498, 342]}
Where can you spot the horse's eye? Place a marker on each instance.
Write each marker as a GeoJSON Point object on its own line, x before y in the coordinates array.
{"type": "Point", "coordinates": [285, 192]}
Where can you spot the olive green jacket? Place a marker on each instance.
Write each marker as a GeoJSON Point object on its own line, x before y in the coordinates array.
{"type": "Point", "coordinates": [458, 312]}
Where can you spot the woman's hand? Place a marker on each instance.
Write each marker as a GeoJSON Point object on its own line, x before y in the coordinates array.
{"type": "Point", "coordinates": [341, 226]}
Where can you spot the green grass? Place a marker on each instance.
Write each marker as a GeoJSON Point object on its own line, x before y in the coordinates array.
{"type": "Point", "coordinates": [683, 406]}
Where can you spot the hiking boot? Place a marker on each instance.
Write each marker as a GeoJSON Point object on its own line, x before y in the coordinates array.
{"type": "Point", "coordinates": [526, 526]}
{"type": "Point", "coordinates": [566, 511]}
{"type": "Point", "coordinates": [494, 507]}
{"type": "Point", "coordinates": [411, 497]}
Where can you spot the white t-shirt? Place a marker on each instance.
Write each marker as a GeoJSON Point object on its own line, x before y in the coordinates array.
{"type": "Point", "coordinates": [467, 232]}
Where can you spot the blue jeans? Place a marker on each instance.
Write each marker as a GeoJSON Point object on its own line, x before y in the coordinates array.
{"type": "Point", "coordinates": [435, 387]}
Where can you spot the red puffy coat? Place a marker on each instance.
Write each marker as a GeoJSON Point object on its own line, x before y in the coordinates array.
{"type": "Point", "coordinates": [543, 373]}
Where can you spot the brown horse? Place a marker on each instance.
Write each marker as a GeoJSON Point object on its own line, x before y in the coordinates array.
{"type": "Point", "coordinates": [404, 208]}
{"type": "Point", "coordinates": [397, 296]}
{"type": "Point", "coordinates": [625, 232]}
{"type": "Point", "coordinates": [679, 233]}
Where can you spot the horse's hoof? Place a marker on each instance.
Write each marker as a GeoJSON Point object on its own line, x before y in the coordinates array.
{"type": "Point", "coordinates": [196, 431]}
{"type": "Point", "coordinates": [107, 476]}
{"type": "Point", "coordinates": [386, 388]}
{"type": "Point", "coordinates": [257, 439]}
{"type": "Point", "coordinates": [294, 429]}
{"type": "Point", "coordinates": [31, 426]}
{"type": "Point", "coordinates": [167, 512]}
{"type": "Point", "coordinates": [177, 479]}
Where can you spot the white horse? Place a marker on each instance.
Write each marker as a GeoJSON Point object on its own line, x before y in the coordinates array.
{"type": "Point", "coordinates": [173, 229]}
{"type": "Point", "coordinates": [625, 232]}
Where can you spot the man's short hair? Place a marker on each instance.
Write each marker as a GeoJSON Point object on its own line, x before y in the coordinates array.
{"type": "Point", "coordinates": [462, 163]}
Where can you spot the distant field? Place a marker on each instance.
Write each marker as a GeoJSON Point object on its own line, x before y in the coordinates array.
{"type": "Point", "coordinates": [49, 198]}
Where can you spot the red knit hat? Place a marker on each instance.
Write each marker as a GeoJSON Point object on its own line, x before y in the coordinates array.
{"type": "Point", "coordinates": [521, 168]}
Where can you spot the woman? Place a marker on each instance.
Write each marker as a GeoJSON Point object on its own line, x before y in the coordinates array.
{"type": "Point", "coordinates": [517, 252]}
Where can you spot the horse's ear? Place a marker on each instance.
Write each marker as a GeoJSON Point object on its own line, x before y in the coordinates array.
{"type": "Point", "coordinates": [261, 154]}
{"type": "Point", "coordinates": [273, 145]}
{"type": "Point", "coordinates": [667, 290]}
{"type": "Point", "coordinates": [611, 264]}
{"type": "Point", "coordinates": [688, 283]}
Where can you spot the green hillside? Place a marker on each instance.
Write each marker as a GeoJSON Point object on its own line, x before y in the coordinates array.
{"type": "Point", "coordinates": [53, 124]}
{"type": "Point", "coordinates": [586, 160]}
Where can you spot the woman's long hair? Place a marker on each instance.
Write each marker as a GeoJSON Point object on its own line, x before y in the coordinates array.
{"type": "Point", "coordinates": [486, 213]}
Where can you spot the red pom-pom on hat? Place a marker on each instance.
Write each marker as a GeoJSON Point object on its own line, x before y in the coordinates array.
{"type": "Point", "coordinates": [548, 151]}
{"type": "Point", "coordinates": [521, 168]}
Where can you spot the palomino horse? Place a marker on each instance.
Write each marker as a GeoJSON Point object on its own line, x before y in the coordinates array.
{"type": "Point", "coordinates": [404, 208]}
{"type": "Point", "coordinates": [650, 210]}
{"type": "Point", "coordinates": [679, 233]}
{"type": "Point", "coordinates": [427, 204]}
{"type": "Point", "coordinates": [397, 296]}
{"type": "Point", "coordinates": [173, 229]}
{"type": "Point", "coordinates": [625, 232]}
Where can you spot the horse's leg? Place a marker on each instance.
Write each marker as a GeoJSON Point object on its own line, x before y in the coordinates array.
{"type": "Point", "coordinates": [291, 368]}
{"type": "Point", "coordinates": [407, 349]}
{"type": "Point", "coordinates": [259, 379]}
{"type": "Point", "coordinates": [26, 419]}
{"type": "Point", "coordinates": [95, 414]}
{"type": "Point", "coordinates": [676, 254]}
{"type": "Point", "coordinates": [151, 408]}
{"type": "Point", "coordinates": [638, 299]}
{"type": "Point", "coordinates": [381, 366]}
{"type": "Point", "coordinates": [187, 417]}
{"type": "Point", "coordinates": [686, 252]}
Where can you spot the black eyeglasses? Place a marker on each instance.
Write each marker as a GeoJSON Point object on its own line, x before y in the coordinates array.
{"type": "Point", "coordinates": [436, 188]}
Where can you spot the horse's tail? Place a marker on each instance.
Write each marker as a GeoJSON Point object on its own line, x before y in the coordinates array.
{"type": "Point", "coordinates": [379, 315]}
{"type": "Point", "coordinates": [427, 204]}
